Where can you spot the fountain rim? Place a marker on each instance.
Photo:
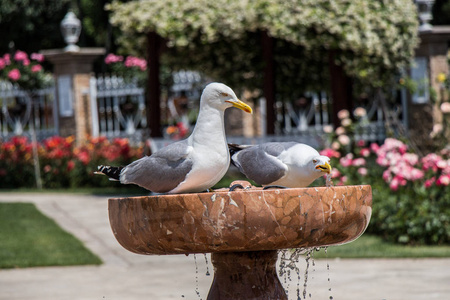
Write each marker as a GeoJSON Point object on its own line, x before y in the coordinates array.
{"type": "Point", "coordinates": [252, 189]}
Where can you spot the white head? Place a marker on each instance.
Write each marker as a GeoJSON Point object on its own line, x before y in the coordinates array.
{"type": "Point", "coordinates": [221, 97]}
{"type": "Point", "coordinates": [321, 164]}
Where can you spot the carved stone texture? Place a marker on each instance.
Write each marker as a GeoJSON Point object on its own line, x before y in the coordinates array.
{"type": "Point", "coordinates": [241, 220]}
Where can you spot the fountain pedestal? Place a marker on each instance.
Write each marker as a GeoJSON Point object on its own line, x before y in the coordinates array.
{"type": "Point", "coordinates": [242, 229]}
{"type": "Point", "coordinates": [246, 275]}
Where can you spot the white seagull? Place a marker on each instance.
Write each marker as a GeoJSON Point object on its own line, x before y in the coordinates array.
{"type": "Point", "coordinates": [287, 164]}
{"type": "Point", "coordinates": [191, 165]}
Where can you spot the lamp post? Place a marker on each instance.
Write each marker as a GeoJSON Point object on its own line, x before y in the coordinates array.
{"type": "Point", "coordinates": [425, 16]}
{"type": "Point", "coordinates": [71, 29]}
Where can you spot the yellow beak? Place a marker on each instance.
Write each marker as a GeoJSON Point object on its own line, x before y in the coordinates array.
{"type": "Point", "coordinates": [241, 105]}
{"type": "Point", "coordinates": [326, 168]}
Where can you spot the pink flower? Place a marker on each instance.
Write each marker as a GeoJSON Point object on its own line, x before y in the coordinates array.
{"type": "Point", "coordinates": [37, 57]}
{"type": "Point", "coordinates": [365, 152]}
{"type": "Point", "coordinates": [7, 59]}
{"type": "Point", "coordinates": [344, 140]}
{"type": "Point", "coordinates": [411, 158]}
{"type": "Point", "coordinates": [387, 175]}
{"type": "Point", "coordinates": [346, 161]}
{"type": "Point", "coordinates": [362, 171]}
{"type": "Point", "coordinates": [357, 162]}
{"type": "Point", "coordinates": [343, 114]}
{"type": "Point", "coordinates": [416, 174]}
{"type": "Point", "coordinates": [132, 61]}
{"type": "Point", "coordinates": [340, 130]}
{"type": "Point", "coordinates": [20, 56]}
{"type": "Point", "coordinates": [328, 129]}
{"type": "Point", "coordinates": [374, 147]}
{"type": "Point", "coordinates": [443, 180]}
{"type": "Point", "coordinates": [429, 182]}
{"type": "Point", "coordinates": [2, 63]}
{"type": "Point", "coordinates": [335, 173]}
{"type": "Point", "coordinates": [445, 107]}
{"type": "Point", "coordinates": [360, 112]}
{"type": "Point", "coordinates": [335, 146]}
{"type": "Point", "coordinates": [111, 58]}
{"type": "Point", "coordinates": [441, 164]}
{"type": "Point", "coordinates": [346, 122]}
{"type": "Point", "coordinates": [430, 162]}
{"type": "Point", "coordinates": [343, 180]}
{"type": "Point", "coordinates": [14, 74]}
{"type": "Point", "coordinates": [361, 143]}
{"type": "Point", "coordinates": [330, 153]}
{"type": "Point", "coordinates": [36, 68]}
{"type": "Point", "coordinates": [382, 161]}
{"type": "Point", "coordinates": [26, 62]}
{"type": "Point", "coordinates": [47, 168]}
{"type": "Point", "coordinates": [396, 182]}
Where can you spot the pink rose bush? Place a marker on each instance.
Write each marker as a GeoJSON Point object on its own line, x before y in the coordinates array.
{"type": "Point", "coordinates": [411, 194]}
{"type": "Point", "coordinates": [62, 163]}
{"type": "Point", "coordinates": [24, 70]}
{"type": "Point", "coordinates": [130, 68]}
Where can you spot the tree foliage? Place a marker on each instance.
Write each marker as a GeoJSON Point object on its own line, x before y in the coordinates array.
{"type": "Point", "coordinates": [371, 39]}
{"type": "Point", "coordinates": [31, 25]}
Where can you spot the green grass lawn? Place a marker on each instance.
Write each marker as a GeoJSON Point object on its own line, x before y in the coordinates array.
{"type": "Point", "coordinates": [369, 246]}
{"type": "Point", "coordinates": [30, 239]}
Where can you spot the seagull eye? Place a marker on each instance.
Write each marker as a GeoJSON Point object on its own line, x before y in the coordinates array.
{"type": "Point", "coordinates": [315, 161]}
{"type": "Point", "coordinates": [224, 95]}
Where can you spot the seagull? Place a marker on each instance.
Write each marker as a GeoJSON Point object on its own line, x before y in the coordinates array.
{"type": "Point", "coordinates": [191, 165]}
{"type": "Point", "coordinates": [287, 164]}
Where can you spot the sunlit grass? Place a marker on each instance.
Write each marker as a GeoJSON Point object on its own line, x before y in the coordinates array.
{"type": "Point", "coordinates": [29, 239]}
{"type": "Point", "coordinates": [370, 246]}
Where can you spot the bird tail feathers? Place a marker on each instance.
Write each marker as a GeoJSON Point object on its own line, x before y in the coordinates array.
{"type": "Point", "coordinates": [112, 172]}
{"type": "Point", "coordinates": [235, 148]}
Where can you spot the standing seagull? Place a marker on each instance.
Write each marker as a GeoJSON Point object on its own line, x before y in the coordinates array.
{"type": "Point", "coordinates": [191, 165]}
{"type": "Point", "coordinates": [288, 164]}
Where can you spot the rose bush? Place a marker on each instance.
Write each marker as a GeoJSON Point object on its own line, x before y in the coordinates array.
{"type": "Point", "coordinates": [24, 70]}
{"type": "Point", "coordinates": [129, 68]}
{"type": "Point", "coordinates": [411, 194]}
{"type": "Point", "coordinates": [62, 164]}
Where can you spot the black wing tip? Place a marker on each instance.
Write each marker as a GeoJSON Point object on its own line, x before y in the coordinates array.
{"type": "Point", "coordinates": [234, 148]}
{"type": "Point", "coordinates": [111, 172]}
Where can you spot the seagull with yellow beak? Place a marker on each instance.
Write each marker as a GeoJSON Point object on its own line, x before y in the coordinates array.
{"type": "Point", "coordinates": [191, 165]}
{"type": "Point", "coordinates": [287, 164]}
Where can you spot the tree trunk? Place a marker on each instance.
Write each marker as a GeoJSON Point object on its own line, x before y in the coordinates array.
{"type": "Point", "coordinates": [269, 81]}
{"type": "Point", "coordinates": [153, 88]}
{"type": "Point", "coordinates": [341, 89]}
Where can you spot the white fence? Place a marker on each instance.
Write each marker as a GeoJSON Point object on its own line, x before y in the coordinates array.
{"type": "Point", "coordinates": [119, 110]}
{"type": "Point", "coordinates": [24, 113]}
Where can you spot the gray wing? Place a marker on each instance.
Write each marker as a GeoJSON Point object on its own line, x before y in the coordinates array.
{"type": "Point", "coordinates": [162, 171]}
{"type": "Point", "coordinates": [260, 164]}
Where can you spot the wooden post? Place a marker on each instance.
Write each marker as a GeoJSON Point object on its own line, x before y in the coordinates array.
{"type": "Point", "coordinates": [341, 89]}
{"type": "Point", "coordinates": [153, 88]}
{"type": "Point", "coordinates": [269, 81]}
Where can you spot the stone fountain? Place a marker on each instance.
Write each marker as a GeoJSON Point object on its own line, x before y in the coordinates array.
{"type": "Point", "coordinates": [242, 229]}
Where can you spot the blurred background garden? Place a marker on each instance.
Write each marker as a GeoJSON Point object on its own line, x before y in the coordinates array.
{"type": "Point", "coordinates": [86, 83]}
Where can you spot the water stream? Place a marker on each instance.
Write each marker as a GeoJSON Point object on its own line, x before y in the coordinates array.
{"type": "Point", "coordinates": [196, 278]}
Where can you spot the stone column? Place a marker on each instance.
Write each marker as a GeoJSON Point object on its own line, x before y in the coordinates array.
{"type": "Point", "coordinates": [433, 48]}
{"type": "Point", "coordinates": [72, 71]}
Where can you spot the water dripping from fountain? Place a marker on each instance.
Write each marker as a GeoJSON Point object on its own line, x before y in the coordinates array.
{"type": "Point", "coordinates": [328, 269]}
{"type": "Point", "coordinates": [196, 278]}
{"type": "Point", "coordinates": [307, 259]}
{"type": "Point", "coordinates": [328, 181]}
{"type": "Point", "coordinates": [288, 262]}
{"type": "Point", "coordinates": [207, 265]}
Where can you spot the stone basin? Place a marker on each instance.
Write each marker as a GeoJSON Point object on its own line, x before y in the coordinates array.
{"type": "Point", "coordinates": [243, 229]}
